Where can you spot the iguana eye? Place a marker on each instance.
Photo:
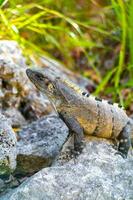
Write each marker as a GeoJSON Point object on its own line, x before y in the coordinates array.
{"type": "Point", "coordinates": [51, 87]}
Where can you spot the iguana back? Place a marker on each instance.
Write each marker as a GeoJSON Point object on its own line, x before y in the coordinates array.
{"type": "Point", "coordinates": [97, 117]}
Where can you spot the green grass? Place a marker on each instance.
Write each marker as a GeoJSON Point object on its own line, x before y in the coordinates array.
{"type": "Point", "coordinates": [74, 30]}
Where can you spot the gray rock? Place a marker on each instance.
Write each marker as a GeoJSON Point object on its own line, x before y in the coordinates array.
{"type": "Point", "coordinates": [15, 117]}
{"type": "Point", "coordinates": [16, 90]}
{"type": "Point", "coordinates": [10, 48]}
{"type": "Point", "coordinates": [39, 143]}
{"type": "Point", "coordinates": [7, 147]}
{"type": "Point", "coordinates": [96, 174]}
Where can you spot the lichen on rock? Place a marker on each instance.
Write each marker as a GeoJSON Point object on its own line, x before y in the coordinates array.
{"type": "Point", "coordinates": [7, 147]}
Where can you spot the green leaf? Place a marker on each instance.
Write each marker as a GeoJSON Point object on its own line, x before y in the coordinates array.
{"type": "Point", "coordinates": [3, 2]}
{"type": "Point", "coordinates": [104, 82]}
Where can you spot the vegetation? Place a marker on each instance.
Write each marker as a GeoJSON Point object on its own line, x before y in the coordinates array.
{"type": "Point", "coordinates": [93, 37]}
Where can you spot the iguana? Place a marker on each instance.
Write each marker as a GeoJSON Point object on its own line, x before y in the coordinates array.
{"type": "Point", "coordinates": [84, 113]}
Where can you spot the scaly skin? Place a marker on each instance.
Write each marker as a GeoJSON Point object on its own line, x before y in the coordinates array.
{"type": "Point", "coordinates": [84, 113]}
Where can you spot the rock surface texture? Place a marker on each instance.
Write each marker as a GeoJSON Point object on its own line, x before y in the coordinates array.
{"type": "Point", "coordinates": [15, 116]}
{"type": "Point", "coordinates": [96, 174]}
{"type": "Point", "coordinates": [16, 89]}
{"type": "Point", "coordinates": [7, 147]}
{"type": "Point", "coordinates": [39, 143]}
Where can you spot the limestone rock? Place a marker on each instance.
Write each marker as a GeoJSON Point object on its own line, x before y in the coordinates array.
{"type": "Point", "coordinates": [16, 90]}
{"type": "Point", "coordinates": [39, 143]}
{"type": "Point", "coordinates": [15, 117]}
{"type": "Point", "coordinates": [7, 147]}
{"type": "Point", "coordinates": [96, 174]}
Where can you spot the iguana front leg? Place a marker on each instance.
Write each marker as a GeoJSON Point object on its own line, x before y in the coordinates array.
{"type": "Point", "coordinates": [75, 129]}
{"type": "Point", "coordinates": [124, 138]}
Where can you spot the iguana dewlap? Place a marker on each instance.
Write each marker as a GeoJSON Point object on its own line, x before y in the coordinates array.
{"type": "Point", "coordinates": [84, 113]}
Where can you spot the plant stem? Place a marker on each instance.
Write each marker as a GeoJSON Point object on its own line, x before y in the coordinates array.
{"type": "Point", "coordinates": [123, 44]}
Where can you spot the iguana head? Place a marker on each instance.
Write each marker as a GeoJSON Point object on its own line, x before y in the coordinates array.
{"type": "Point", "coordinates": [57, 89]}
{"type": "Point", "coordinates": [46, 83]}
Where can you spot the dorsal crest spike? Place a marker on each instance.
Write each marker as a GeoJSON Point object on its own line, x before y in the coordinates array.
{"type": "Point", "coordinates": [98, 99]}
{"type": "Point", "coordinates": [83, 93]}
{"type": "Point", "coordinates": [110, 102]}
